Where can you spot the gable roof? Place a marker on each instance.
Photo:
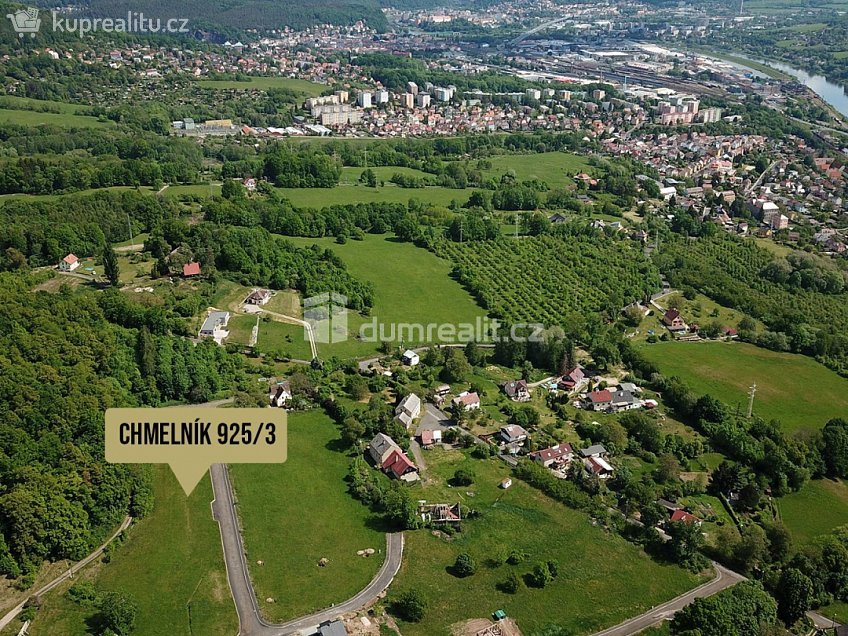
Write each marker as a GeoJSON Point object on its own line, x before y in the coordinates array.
{"type": "Point", "coordinates": [600, 397]}
{"type": "Point", "coordinates": [381, 443]}
{"type": "Point", "coordinates": [553, 453]}
{"type": "Point", "coordinates": [70, 259]}
{"type": "Point", "coordinates": [398, 463]}
{"type": "Point", "coordinates": [671, 314]}
{"type": "Point", "coordinates": [685, 517]}
{"type": "Point", "coordinates": [595, 449]}
{"type": "Point", "coordinates": [191, 269]}
{"type": "Point", "coordinates": [513, 387]}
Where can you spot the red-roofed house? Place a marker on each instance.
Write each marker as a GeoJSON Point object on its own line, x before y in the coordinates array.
{"type": "Point", "coordinates": [685, 517]}
{"type": "Point", "coordinates": [400, 466]}
{"type": "Point", "coordinates": [191, 269]}
{"type": "Point", "coordinates": [600, 400]}
{"type": "Point", "coordinates": [673, 321]}
{"type": "Point", "coordinates": [571, 379]}
{"type": "Point", "coordinates": [559, 454]}
{"type": "Point", "coordinates": [469, 401]}
{"type": "Point", "coordinates": [69, 263]}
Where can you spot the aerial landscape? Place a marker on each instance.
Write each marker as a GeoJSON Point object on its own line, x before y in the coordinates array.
{"type": "Point", "coordinates": [459, 318]}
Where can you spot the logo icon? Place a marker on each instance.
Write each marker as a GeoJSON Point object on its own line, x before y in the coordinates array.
{"type": "Point", "coordinates": [25, 21]}
{"type": "Point", "coordinates": [326, 315]}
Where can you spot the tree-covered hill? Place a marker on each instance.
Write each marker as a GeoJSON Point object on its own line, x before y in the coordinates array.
{"type": "Point", "coordinates": [241, 15]}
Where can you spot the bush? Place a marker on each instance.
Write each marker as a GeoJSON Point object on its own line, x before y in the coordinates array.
{"type": "Point", "coordinates": [409, 606]}
{"type": "Point", "coordinates": [516, 556]}
{"type": "Point", "coordinates": [511, 584]}
{"type": "Point", "coordinates": [464, 565]}
{"type": "Point", "coordinates": [462, 477]}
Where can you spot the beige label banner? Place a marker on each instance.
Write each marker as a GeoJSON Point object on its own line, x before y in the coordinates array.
{"type": "Point", "coordinates": [190, 439]}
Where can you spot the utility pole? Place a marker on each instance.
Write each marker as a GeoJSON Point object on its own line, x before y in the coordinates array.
{"type": "Point", "coordinates": [741, 7]}
{"type": "Point", "coordinates": [751, 394]}
{"type": "Point", "coordinates": [517, 222]}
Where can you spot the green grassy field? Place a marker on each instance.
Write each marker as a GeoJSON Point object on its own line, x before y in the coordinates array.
{"type": "Point", "coordinates": [171, 564]}
{"type": "Point", "coordinates": [390, 193]}
{"type": "Point", "coordinates": [819, 507]}
{"type": "Point", "coordinates": [602, 578]}
{"type": "Point", "coordinates": [351, 175]}
{"type": "Point", "coordinates": [13, 102]}
{"type": "Point", "coordinates": [836, 611]}
{"type": "Point", "coordinates": [557, 169]}
{"type": "Point", "coordinates": [284, 339]}
{"type": "Point", "coordinates": [294, 514]}
{"type": "Point", "coordinates": [411, 285]}
{"type": "Point", "coordinates": [34, 118]}
{"type": "Point", "coordinates": [794, 389]}
{"type": "Point", "coordinates": [265, 83]}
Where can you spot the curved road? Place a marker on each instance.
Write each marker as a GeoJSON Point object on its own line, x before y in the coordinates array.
{"type": "Point", "coordinates": [251, 622]}
{"type": "Point", "coordinates": [724, 579]}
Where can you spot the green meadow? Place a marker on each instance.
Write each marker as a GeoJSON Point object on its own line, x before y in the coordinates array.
{"type": "Point", "coordinates": [411, 286]}
{"type": "Point", "coordinates": [296, 513]}
{"type": "Point", "coordinates": [602, 578]}
{"type": "Point", "coordinates": [818, 508]}
{"type": "Point", "coordinates": [794, 389]}
{"type": "Point", "coordinates": [180, 584]}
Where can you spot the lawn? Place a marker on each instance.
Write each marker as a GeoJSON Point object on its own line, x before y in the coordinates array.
{"type": "Point", "coordinates": [296, 513]}
{"type": "Point", "coordinates": [411, 285]}
{"type": "Point", "coordinates": [303, 87]}
{"type": "Point", "coordinates": [794, 389]}
{"type": "Point", "coordinates": [819, 507]}
{"type": "Point", "coordinates": [351, 176]}
{"type": "Point", "coordinates": [284, 339]}
{"type": "Point", "coordinates": [390, 193]}
{"type": "Point", "coordinates": [602, 578]}
{"type": "Point", "coordinates": [557, 169]}
{"type": "Point", "coordinates": [171, 564]}
{"type": "Point", "coordinates": [34, 118]}
{"type": "Point", "coordinates": [240, 328]}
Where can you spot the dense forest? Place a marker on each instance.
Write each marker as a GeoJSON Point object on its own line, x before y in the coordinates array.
{"type": "Point", "coordinates": [63, 363]}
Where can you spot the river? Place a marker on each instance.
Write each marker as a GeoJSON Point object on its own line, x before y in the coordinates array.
{"type": "Point", "coordinates": [833, 94]}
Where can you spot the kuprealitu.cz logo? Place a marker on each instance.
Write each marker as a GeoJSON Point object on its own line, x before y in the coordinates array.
{"type": "Point", "coordinates": [28, 22]}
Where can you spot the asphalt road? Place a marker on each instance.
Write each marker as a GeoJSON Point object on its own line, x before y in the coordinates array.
{"type": "Point", "coordinates": [724, 579]}
{"type": "Point", "coordinates": [251, 622]}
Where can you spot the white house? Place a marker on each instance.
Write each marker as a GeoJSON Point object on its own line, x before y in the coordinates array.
{"type": "Point", "coordinates": [408, 409]}
{"type": "Point", "coordinates": [215, 326]}
{"type": "Point", "coordinates": [410, 358]}
{"type": "Point", "coordinates": [469, 401]}
{"type": "Point", "coordinates": [280, 394]}
{"type": "Point", "coordinates": [69, 263]}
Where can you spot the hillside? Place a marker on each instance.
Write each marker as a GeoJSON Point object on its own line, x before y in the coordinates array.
{"type": "Point", "coordinates": [231, 16]}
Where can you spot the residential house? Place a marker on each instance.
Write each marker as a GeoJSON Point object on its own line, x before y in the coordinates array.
{"type": "Point", "coordinates": [553, 456]}
{"type": "Point", "coordinates": [681, 515]}
{"type": "Point", "coordinates": [258, 297]}
{"type": "Point", "coordinates": [572, 379]}
{"type": "Point", "coordinates": [596, 450]}
{"type": "Point", "coordinates": [440, 513]}
{"type": "Point", "coordinates": [381, 447]}
{"type": "Point", "coordinates": [69, 263]}
{"type": "Point", "coordinates": [191, 269]}
{"type": "Point", "coordinates": [673, 321]}
{"type": "Point", "coordinates": [468, 400]}
{"type": "Point", "coordinates": [557, 218]}
{"type": "Point", "coordinates": [332, 628]}
{"type": "Point", "coordinates": [280, 394]}
{"type": "Point", "coordinates": [513, 434]}
{"type": "Point", "coordinates": [517, 390]}
{"type": "Point", "coordinates": [398, 465]}
{"type": "Point", "coordinates": [624, 401]}
{"type": "Point", "coordinates": [410, 358]}
{"type": "Point", "coordinates": [215, 326]}
{"type": "Point", "coordinates": [599, 467]}
{"type": "Point", "coordinates": [430, 438]}
{"type": "Point", "coordinates": [408, 409]}
{"type": "Point", "coordinates": [600, 400]}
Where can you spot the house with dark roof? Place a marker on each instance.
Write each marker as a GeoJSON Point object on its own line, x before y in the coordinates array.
{"type": "Point", "coordinates": [381, 447]}
{"type": "Point", "coordinates": [624, 401]}
{"type": "Point", "coordinates": [280, 394]}
{"type": "Point", "coordinates": [517, 390]}
{"type": "Point", "coordinates": [258, 297]}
